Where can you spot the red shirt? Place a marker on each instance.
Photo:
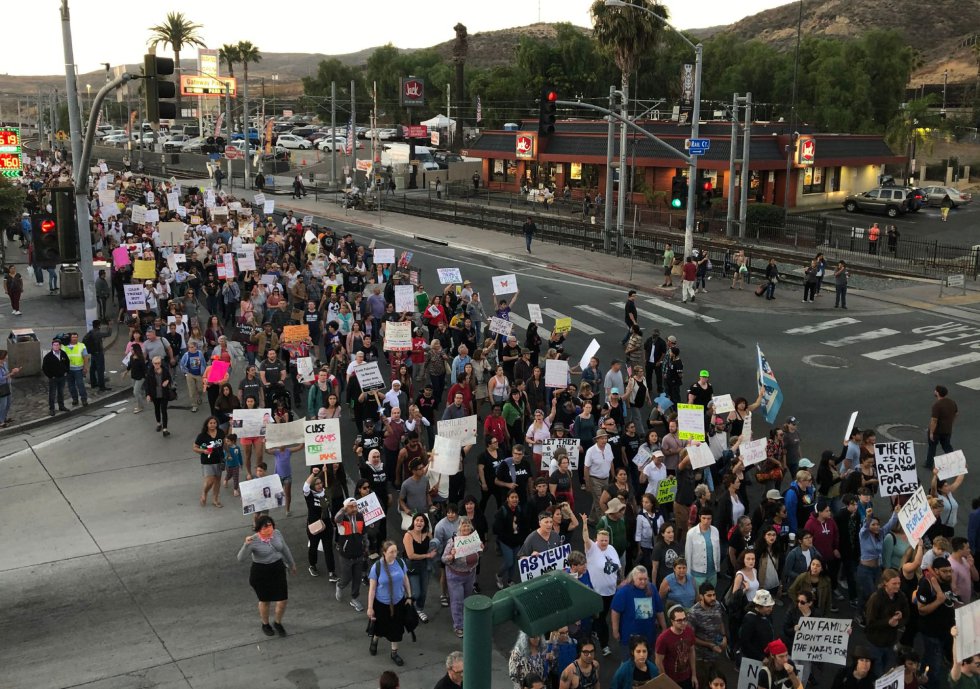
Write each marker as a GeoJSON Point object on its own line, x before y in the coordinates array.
{"type": "Point", "coordinates": [676, 650]}
{"type": "Point", "coordinates": [418, 350]}
{"type": "Point", "coordinates": [495, 427]}
{"type": "Point", "coordinates": [690, 270]}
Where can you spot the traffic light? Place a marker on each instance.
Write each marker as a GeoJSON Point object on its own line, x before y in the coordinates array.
{"type": "Point", "coordinates": [678, 192]}
{"type": "Point", "coordinates": [63, 203]}
{"type": "Point", "coordinates": [159, 89]}
{"type": "Point", "coordinates": [44, 234]}
{"type": "Point", "coordinates": [548, 111]}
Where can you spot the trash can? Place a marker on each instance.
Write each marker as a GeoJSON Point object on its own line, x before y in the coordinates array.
{"type": "Point", "coordinates": [71, 282]}
{"type": "Point", "coordinates": [24, 352]}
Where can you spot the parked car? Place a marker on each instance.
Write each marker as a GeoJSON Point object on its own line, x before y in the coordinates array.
{"type": "Point", "coordinates": [293, 141]}
{"type": "Point", "coordinates": [115, 140]}
{"type": "Point", "coordinates": [175, 143]}
{"type": "Point", "coordinates": [443, 158]}
{"type": "Point", "coordinates": [102, 135]}
{"type": "Point", "coordinates": [389, 134]}
{"type": "Point", "coordinates": [193, 145]}
{"type": "Point", "coordinates": [328, 143]}
{"type": "Point", "coordinates": [892, 201]}
{"type": "Point", "coordinates": [303, 132]}
{"type": "Point", "coordinates": [936, 195]}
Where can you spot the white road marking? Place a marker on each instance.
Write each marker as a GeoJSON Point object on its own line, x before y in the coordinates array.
{"type": "Point", "coordinates": [60, 438]}
{"type": "Point", "coordinates": [943, 364]}
{"type": "Point", "coordinates": [649, 315]}
{"type": "Point", "coordinates": [599, 313]}
{"type": "Point", "coordinates": [115, 404]}
{"type": "Point", "coordinates": [901, 350]}
{"type": "Point", "coordinates": [518, 321]}
{"type": "Point", "coordinates": [653, 301]}
{"type": "Point", "coordinates": [973, 383]}
{"type": "Point", "coordinates": [817, 327]}
{"type": "Point", "coordinates": [576, 325]}
{"type": "Point", "coordinates": [862, 337]}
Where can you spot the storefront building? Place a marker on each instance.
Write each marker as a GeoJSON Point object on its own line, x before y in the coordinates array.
{"type": "Point", "coordinates": [824, 169]}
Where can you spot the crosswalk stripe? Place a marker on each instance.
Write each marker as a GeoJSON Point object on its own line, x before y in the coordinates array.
{"type": "Point", "coordinates": [973, 383]}
{"type": "Point", "coordinates": [519, 321]}
{"type": "Point", "coordinates": [649, 315]}
{"type": "Point", "coordinates": [862, 337]}
{"type": "Point", "coordinates": [653, 301]}
{"type": "Point", "coordinates": [901, 350]}
{"type": "Point", "coordinates": [599, 313]}
{"type": "Point", "coordinates": [576, 325]}
{"type": "Point", "coordinates": [943, 364]}
{"type": "Point", "coordinates": [817, 327]}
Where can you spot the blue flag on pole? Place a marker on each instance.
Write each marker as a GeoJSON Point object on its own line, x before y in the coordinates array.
{"type": "Point", "coordinates": [772, 395]}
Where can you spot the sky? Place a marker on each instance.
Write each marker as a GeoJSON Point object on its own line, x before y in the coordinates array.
{"type": "Point", "coordinates": [116, 31]}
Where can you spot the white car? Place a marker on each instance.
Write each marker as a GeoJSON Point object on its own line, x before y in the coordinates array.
{"type": "Point", "coordinates": [387, 134]}
{"type": "Point", "coordinates": [340, 142]}
{"type": "Point", "coordinates": [293, 141]}
{"type": "Point", "coordinates": [115, 140]}
{"type": "Point", "coordinates": [110, 132]}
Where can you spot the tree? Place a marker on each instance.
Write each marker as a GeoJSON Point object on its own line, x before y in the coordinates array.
{"type": "Point", "coordinates": [228, 54]}
{"type": "Point", "coordinates": [11, 202]}
{"type": "Point", "coordinates": [177, 31]}
{"type": "Point", "coordinates": [627, 34]}
{"type": "Point", "coordinates": [248, 53]}
{"type": "Point", "coordinates": [316, 89]}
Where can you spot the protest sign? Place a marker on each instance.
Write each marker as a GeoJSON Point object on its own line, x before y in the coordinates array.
{"type": "Point", "coordinates": [282, 434]}
{"type": "Point", "coordinates": [748, 673]}
{"type": "Point", "coordinates": [753, 452]}
{"type": "Point", "coordinates": [149, 197]}
{"type": "Point", "coordinates": [445, 455]}
{"type": "Point", "coordinates": [563, 326]}
{"type": "Point", "coordinates": [894, 679]}
{"type": "Point", "coordinates": [107, 197]}
{"type": "Point", "coordinates": [413, 277]}
{"type": "Point", "coordinates": [951, 465]}
{"type": "Point", "coordinates": [322, 440]}
{"type": "Point", "coordinates": [398, 337]}
{"type": "Point", "coordinates": [138, 214]}
{"type": "Point", "coordinates": [405, 259]}
{"type": "Point", "coordinates": [246, 257]}
{"type": "Point", "coordinates": [384, 256]}
{"type": "Point", "coordinates": [548, 448]}
{"type": "Point", "coordinates": [701, 455]}
{"type": "Point", "coordinates": [850, 425]}
{"type": "Point", "coordinates": [500, 326]}
{"type": "Point", "coordinates": [370, 508]}
{"type": "Point", "coordinates": [534, 311]}
{"type": "Point", "coordinates": [369, 376]}
{"type": "Point", "coordinates": [181, 211]}
{"type": "Point", "coordinates": [642, 457]}
{"type": "Point", "coordinates": [916, 517]}
{"type": "Point", "coordinates": [467, 545]}
{"type": "Point", "coordinates": [120, 257]}
{"type": "Point", "coordinates": [747, 427]}
{"type": "Point", "coordinates": [822, 640]}
{"type": "Point", "coordinates": [294, 333]}
{"type": "Point", "coordinates": [463, 430]}
{"type": "Point", "coordinates": [404, 299]}
{"type": "Point", "coordinates": [218, 372]}
{"type": "Point", "coordinates": [896, 468]}
{"type": "Point", "coordinates": [258, 199]}
{"type": "Point", "coordinates": [553, 560]}
{"type": "Point", "coordinates": [449, 276]}
{"type": "Point", "coordinates": [723, 404]}
{"type": "Point", "coordinates": [589, 353]}
{"type": "Point", "coordinates": [144, 270]}
{"type": "Point", "coordinates": [260, 494]}
{"type": "Point", "coordinates": [180, 258]}
{"type": "Point", "coordinates": [304, 369]}
{"type": "Point", "coordinates": [967, 630]}
{"type": "Point", "coordinates": [269, 206]}
{"type": "Point", "coordinates": [667, 490]}
{"type": "Point", "coordinates": [504, 284]}
{"type": "Point", "coordinates": [152, 215]}
{"type": "Point", "coordinates": [250, 423]}
{"type": "Point", "coordinates": [135, 297]}
{"type": "Point", "coordinates": [555, 374]}
{"type": "Point", "coordinates": [690, 422]}
{"type": "Point", "coordinates": [172, 233]}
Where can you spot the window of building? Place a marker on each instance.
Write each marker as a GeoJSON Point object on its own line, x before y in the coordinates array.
{"type": "Point", "coordinates": [582, 176]}
{"type": "Point", "coordinates": [503, 170]}
{"type": "Point", "coordinates": [814, 180]}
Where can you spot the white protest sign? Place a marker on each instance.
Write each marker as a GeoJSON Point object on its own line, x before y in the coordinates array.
{"type": "Point", "coordinates": [967, 630]}
{"type": "Point", "coordinates": [463, 430]}
{"type": "Point", "coordinates": [398, 336]}
{"type": "Point", "coordinates": [135, 297]}
{"type": "Point", "coordinates": [500, 326]}
{"type": "Point", "coordinates": [370, 508]}
{"type": "Point", "coordinates": [589, 353]}
{"type": "Point", "coordinates": [553, 560]}
{"type": "Point", "coordinates": [258, 199]}
{"type": "Point", "coordinates": [260, 494]}
{"type": "Point", "coordinates": [951, 465]}
{"type": "Point", "coordinates": [555, 373]}
{"type": "Point", "coordinates": [245, 257]}
{"type": "Point", "coordinates": [504, 284]}
{"type": "Point", "coordinates": [107, 197]}
{"type": "Point", "coordinates": [322, 440]}
{"type": "Point", "coordinates": [180, 258]}
{"type": "Point", "coordinates": [269, 206]}
{"type": "Point", "coordinates": [282, 434]}
{"type": "Point", "coordinates": [549, 447]}
{"type": "Point", "coordinates": [467, 545]}
{"type": "Point", "coordinates": [748, 673]}
{"type": "Point", "coordinates": [404, 299]}
{"type": "Point", "coordinates": [369, 376]}
{"type": "Point", "coordinates": [916, 517]}
{"type": "Point", "coordinates": [821, 639]}
{"type": "Point", "coordinates": [445, 455]}
{"type": "Point", "coordinates": [171, 233]}
{"type": "Point", "coordinates": [449, 276]}
{"type": "Point", "coordinates": [384, 255]}
{"type": "Point", "coordinates": [850, 425]}
{"type": "Point", "coordinates": [753, 452]}
{"type": "Point", "coordinates": [149, 197]}
{"type": "Point", "coordinates": [534, 311]}
{"type": "Point", "coordinates": [139, 214]}
{"type": "Point", "coordinates": [307, 220]}
{"type": "Point", "coordinates": [700, 455]}
{"type": "Point", "coordinates": [152, 215]}
{"type": "Point", "coordinates": [690, 422]}
{"type": "Point", "coordinates": [896, 468]}
{"type": "Point", "coordinates": [723, 404]}
{"type": "Point", "coordinates": [173, 200]}
{"type": "Point", "coordinates": [747, 428]}
{"type": "Point", "coordinates": [642, 457]}
{"type": "Point", "coordinates": [250, 423]}
{"type": "Point", "coordinates": [304, 369]}
{"type": "Point", "coordinates": [895, 679]}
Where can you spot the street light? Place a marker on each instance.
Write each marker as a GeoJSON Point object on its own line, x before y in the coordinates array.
{"type": "Point", "coordinates": [275, 78]}
{"type": "Point", "coordinates": [88, 88]}
{"type": "Point", "coordinates": [695, 121]}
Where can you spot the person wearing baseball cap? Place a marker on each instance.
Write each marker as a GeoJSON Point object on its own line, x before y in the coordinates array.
{"type": "Point", "coordinates": [793, 445]}
{"type": "Point", "coordinates": [756, 632]}
{"type": "Point", "coordinates": [701, 392]}
{"type": "Point", "coordinates": [350, 546]}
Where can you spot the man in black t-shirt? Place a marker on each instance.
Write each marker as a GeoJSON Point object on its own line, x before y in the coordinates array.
{"type": "Point", "coordinates": [515, 474]}
{"type": "Point", "coordinates": [935, 601]}
{"type": "Point", "coordinates": [271, 371]}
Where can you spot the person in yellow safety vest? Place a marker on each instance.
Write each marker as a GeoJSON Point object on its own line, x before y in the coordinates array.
{"type": "Point", "coordinates": [78, 361]}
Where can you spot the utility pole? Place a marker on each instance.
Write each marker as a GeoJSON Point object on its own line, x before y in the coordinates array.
{"type": "Point", "coordinates": [607, 209]}
{"type": "Point", "coordinates": [746, 175]}
{"type": "Point", "coordinates": [621, 209]}
{"type": "Point", "coordinates": [730, 215]}
{"type": "Point", "coordinates": [228, 127]}
{"type": "Point", "coordinates": [246, 132]}
{"type": "Point", "coordinates": [80, 171]}
{"type": "Point", "coordinates": [333, 131]}
{"type": "Point", "coordinates": [353, 127]}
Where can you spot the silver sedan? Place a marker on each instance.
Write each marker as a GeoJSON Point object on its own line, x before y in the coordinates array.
{"type": "Point", "coordinates": [936, 195]}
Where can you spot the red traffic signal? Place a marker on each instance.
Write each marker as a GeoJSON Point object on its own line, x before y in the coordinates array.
{"type": "Point", "coordinates": [552, 96]}
{"type": "Point", "coordinates": [47, 226]}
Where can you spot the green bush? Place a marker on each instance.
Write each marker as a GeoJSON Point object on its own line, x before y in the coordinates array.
{"type": "Point", "coordinates": [765, 214]}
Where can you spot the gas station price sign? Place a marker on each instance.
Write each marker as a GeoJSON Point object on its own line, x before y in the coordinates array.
{"type": "Point", "coordinates": [11, 163]}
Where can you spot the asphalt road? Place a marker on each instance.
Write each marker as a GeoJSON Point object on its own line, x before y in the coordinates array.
{"type": "Point", "coordinates": [115, 577]}
{"type": "Point", "coordinates": [958, 230]}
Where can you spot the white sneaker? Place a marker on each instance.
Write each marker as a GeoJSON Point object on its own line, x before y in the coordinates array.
{"type": "Point", "coordinates": [606, 651]}
{"type": "Point", "coordinates": [338, 593]}
{"type": "Point", "coordinates": [193, 409]}
{"type": "Point", "coordinates": [357, 605]}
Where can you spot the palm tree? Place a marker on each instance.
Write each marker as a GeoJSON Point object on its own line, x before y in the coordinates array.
{"type": "Point", "coordinates": [626, 33]}
{"type": "Point", "coordinates": [228, 54]}
{"type": "Point", "coordinates": [248, 53]}
{"type": "Point", "coordinates": [177, 31]}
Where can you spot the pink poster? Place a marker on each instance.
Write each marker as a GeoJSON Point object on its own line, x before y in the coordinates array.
{"type": "Point", "coordinates": [120, 257]}
{"type": "Point", "coordinates": [219, 369]}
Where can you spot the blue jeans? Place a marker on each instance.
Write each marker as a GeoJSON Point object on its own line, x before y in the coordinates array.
{"type": "Point", "coordinates": [96, 371]}
{"type": "Point", "coordinates": [938, 439]}
{"type": "Point", "coordinates": [771, 290]}
{"type": "Point", "coordinates": [76, 385]}
{"type": "Point", "coordinates": [419, 581]}
{"type": "Point", "coordinates": [4, 407]}
{"type": "Point", "coordinates": [840, 296]}
{"type": "Point", "coordinates": [867, 580]}
{"type": "Point", "coordinates": [507, 556]}
{"type": "Point", "coordinates": [52, 279]}
{"type": "Point", "coordinates": [882, 658]}
{"type": "Point", "coordinates": [933, 656]}
{"type": "Point", "coordinates": [527, 241]}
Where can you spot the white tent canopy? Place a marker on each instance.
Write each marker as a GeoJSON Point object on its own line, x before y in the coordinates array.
{"type": "Point", "coordinates": [440, 121]}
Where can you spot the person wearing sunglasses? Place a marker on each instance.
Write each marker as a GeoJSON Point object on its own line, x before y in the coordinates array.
{"type": "Point", "coordinates": [675, 650]}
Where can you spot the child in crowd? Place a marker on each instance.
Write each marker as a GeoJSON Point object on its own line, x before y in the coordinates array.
{"type": "Point", "coordinates": [233, 462]}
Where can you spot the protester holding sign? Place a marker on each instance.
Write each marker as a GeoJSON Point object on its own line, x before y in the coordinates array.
{"type": "Point", "coordinates": [461, 557]}
{"type": "Point", "coordinates": [604, 571]}
{"type": "Point", "coordinates": [869, 565]}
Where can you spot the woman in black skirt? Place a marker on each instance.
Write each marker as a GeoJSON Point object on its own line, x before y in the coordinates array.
{"type": "Point", "coordinates": [388, 595]}
{"type": "Point", "coordinates": [270, 557]}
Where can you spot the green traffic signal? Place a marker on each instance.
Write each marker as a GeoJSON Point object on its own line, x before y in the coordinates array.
{"type": "Point", "coordinates": [676, 203]}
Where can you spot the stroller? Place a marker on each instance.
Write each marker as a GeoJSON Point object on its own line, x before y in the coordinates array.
{"type": "Point", "coordinates": [276, 393]}
{"type": "Point", "coordinates": [353, 198]}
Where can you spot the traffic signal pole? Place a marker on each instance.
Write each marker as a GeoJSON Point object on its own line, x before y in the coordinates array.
{"type": "Point", "coordinates": [692, 190]}
{"type": "Point", "coordinates": [607, 209]}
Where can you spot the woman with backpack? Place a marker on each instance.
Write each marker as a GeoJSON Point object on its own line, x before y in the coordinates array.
{"type": "Point", "coordinates": [388, 596]}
